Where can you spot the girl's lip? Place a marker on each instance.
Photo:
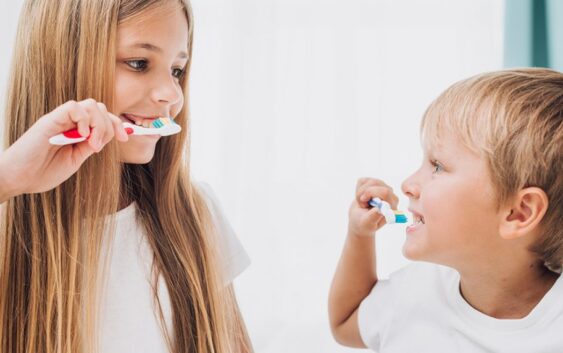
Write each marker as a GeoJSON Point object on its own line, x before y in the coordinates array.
{"type": "Point", "coordinates": [135, 118]}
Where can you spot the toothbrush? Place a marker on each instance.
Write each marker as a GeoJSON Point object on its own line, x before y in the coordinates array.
{"type": "Point", "coordinates": [160, 126]}
{"type": "Point", "coordinates": [391, 216]}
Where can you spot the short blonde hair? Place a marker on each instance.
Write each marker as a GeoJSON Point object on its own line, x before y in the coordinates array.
{"type": "Point", "coordinates": [512, 118]}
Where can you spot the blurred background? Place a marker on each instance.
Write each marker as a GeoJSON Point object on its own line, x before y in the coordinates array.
{"type": "Point", "coordinates": [293, 100]}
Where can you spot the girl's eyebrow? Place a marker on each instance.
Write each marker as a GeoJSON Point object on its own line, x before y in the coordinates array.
{"type": "Point", "coordinates": [152, 47]}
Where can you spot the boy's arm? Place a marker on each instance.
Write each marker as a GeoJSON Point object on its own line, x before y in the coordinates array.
{"type": "Point", "coordinates": [356, 272]}
{"type": "Point", "coordinates": [354, 278]}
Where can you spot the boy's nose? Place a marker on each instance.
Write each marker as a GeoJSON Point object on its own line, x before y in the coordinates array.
{"type": "Point", "coordinates": [410, 187]}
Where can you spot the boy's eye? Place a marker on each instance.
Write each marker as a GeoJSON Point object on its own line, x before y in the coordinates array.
{"type": "Point", "coordinates": [138, 65]}
{"type": "Point", "coordinates": [178, 73]}
{"type": "Point", "coordinates": [437, 166]}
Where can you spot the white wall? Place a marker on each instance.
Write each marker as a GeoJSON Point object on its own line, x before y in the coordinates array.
{"type": "Point", "coordinates": [292, 101]}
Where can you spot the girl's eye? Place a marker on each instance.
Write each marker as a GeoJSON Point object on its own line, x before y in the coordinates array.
{"type": "Point", "coordinates": [178, 73]}
{"type": "Point", "coordinates": [437, 166]}
{"type": "Point", "coordinates": [137, 65]}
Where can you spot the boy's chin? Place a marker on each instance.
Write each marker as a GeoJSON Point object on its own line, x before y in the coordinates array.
{"type": "Point", "coordinates": [416, 252]}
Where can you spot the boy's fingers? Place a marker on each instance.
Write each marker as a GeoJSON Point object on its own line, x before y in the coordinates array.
{"type": "Point", "coordinates": [383, 192]}
{"type": "Point", "coordinates": [373, 218]}
{"type": "Point", "coordinates": [362, 184]}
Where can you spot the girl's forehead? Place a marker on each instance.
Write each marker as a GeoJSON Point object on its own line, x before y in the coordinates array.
{"type": "Point", "coordinates": [159, 28]}
{"type": "Point", "coordinates": [162, 9]}
{"type": "Point", "coordinates": [149, 21]}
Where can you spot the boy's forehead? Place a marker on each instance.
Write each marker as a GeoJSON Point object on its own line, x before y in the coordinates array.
{"type": "Point", "coordinates": [445, 145]}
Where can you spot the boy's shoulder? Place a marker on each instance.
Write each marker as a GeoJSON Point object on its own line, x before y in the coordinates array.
{"type": "Point", "coordinates": [417, 272]}
{"type": "Point", "coordinates": [416, 284]}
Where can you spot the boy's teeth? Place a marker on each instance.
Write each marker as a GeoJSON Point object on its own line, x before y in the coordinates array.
{"type": "Point", "coordinates": [419, 220]}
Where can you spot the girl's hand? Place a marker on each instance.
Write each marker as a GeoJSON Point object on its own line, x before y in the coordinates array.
{"type": "Point", "coordinates": [33, 165]}
{"type": "Point", "coordinates": [365, 220]}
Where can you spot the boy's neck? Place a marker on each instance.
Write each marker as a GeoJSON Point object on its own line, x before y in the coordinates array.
{"type": "Point", "coordinates": [509, 293]}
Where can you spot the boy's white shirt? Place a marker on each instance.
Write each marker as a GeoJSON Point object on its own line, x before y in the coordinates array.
{"type": "Point", "coordinates": [128, 321]}
{"type": "Point", "coordinates": [420, 309]}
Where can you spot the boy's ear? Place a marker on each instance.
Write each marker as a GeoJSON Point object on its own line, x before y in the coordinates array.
{"type": "Point", "coordinates": [523, 213]}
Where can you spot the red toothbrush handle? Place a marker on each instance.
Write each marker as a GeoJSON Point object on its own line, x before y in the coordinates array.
{"type": "Point", "coordinates": [73, 134]}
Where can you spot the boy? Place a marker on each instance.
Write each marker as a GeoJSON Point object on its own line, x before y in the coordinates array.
{"type": "Point", "coordinates": [487, 228]}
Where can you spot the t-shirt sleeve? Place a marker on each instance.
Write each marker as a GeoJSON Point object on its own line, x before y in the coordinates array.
{"type": "Point", "coordinates": [235, 259]}
{"type": "Point", "coordinates": [376, 311]}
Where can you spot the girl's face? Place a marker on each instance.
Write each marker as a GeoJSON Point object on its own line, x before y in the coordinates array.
{"type": "Point", "coordinates": [151, 58]}
{"type": "Point", "coordinates": [453, 193]}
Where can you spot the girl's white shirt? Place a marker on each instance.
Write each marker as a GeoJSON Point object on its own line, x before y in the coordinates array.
{"type": "Point", "coordinates": [128, 320]}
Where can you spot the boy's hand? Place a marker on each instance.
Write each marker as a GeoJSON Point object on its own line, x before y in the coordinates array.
{"type": "Point", "coordinates": [365, 220]}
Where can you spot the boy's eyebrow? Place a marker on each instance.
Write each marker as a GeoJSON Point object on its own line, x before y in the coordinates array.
{"type": "Point", "coordinates": [152, 47]}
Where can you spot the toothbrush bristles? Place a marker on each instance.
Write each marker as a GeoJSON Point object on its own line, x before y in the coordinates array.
{"type": "Point", "coordinates": [160, 122]}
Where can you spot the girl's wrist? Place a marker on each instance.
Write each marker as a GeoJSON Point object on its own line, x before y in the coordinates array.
{"type": "Point", "coordinates": [6, 189]}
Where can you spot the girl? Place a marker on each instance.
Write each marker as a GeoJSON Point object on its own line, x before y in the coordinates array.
{"type": "Point", "coordinates": [129, 254]}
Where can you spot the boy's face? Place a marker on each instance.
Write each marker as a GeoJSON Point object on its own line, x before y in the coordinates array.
{"type": "Point", "coordinates": [151, 57]}
{"type": "Point", "coordinates": [453, 196]}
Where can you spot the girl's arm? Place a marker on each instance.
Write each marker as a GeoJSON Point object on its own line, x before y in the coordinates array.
{"type": "Point", "coordinates": [356, 271]}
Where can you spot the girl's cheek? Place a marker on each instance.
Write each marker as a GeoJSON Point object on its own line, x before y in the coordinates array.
{"type": "Point", "coordinates": [178, 106]}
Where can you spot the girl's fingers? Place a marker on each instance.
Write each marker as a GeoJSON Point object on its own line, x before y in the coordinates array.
{"type": "Point", "coordinates": [117, 124]}
{"type": "Point", "coordinates": [65, 117]}
{"type": "Point", "coordinates": [79, 116]}
{"type": "Point", "coordinates": [102, 112]}
{"type": "Point", "coordinates": [97, 124]}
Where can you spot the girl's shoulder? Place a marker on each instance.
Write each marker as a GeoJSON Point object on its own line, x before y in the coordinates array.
{"type": "Point", "coordinates": [233, 253]}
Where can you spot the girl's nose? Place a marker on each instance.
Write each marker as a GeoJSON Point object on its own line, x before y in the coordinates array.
{"type": "Point", "coordinates": [167, 91]}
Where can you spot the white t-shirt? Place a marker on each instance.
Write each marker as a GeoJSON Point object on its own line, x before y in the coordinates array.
{"type": "Point", "coordinates": [420, 309]}
{"type": "Point", "coordinates": [128, 321]}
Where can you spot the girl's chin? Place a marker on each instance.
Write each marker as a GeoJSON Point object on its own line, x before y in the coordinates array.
{"type": "Point", "coordinates": [138, 158]}
{"type": "Point", "coordinates": [139, 149]}
{"type": "Point", "coordinates": [136, 161]}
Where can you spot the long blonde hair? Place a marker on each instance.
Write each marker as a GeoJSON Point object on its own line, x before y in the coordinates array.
{"type": "Point", "coordinates": [52, 243]}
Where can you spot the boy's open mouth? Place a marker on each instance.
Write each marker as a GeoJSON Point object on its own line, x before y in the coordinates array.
{"type": "Point", "coordinates": [417, 217]}
{"type": "Point", "coordinates": [418, 220]}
